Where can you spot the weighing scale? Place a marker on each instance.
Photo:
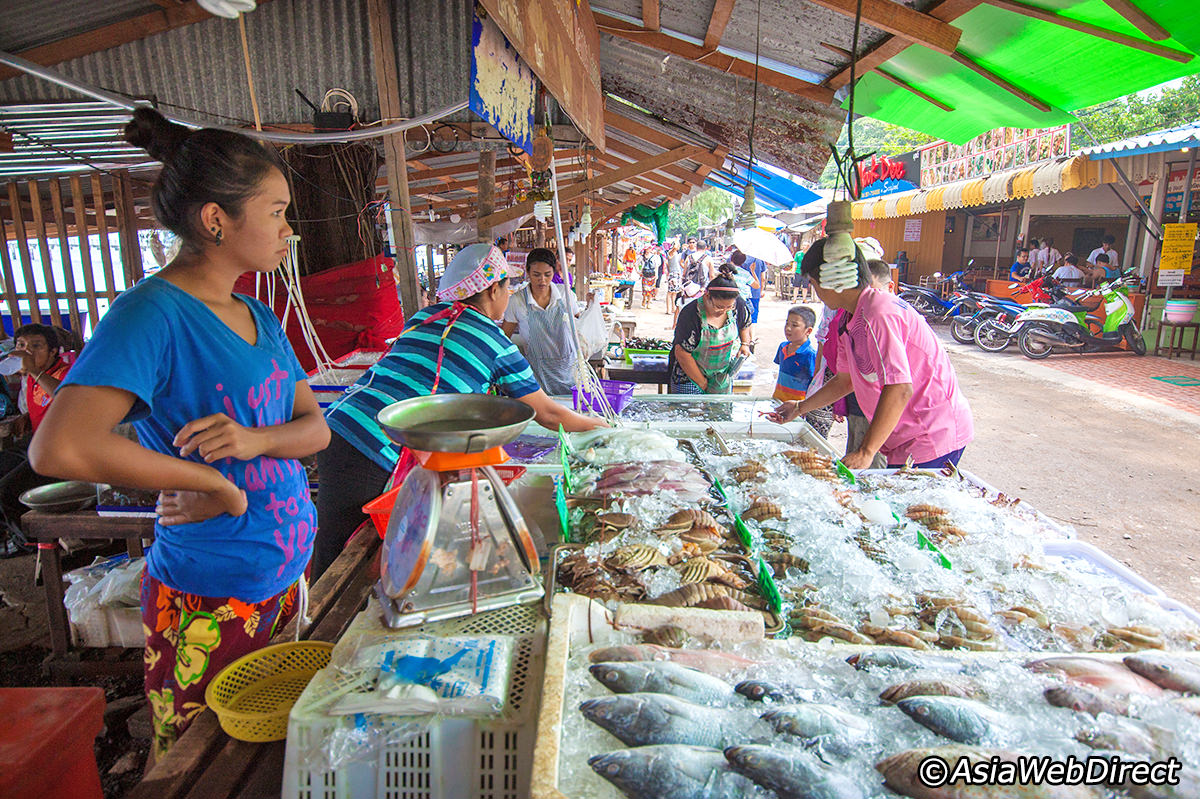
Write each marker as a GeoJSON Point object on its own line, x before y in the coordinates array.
{"type": "Point", "coordinates": [456, 542]}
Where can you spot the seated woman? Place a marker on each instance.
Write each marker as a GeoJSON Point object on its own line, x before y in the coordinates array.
{"type": "Point", "coordinates": [452, 347]}
{"type": "Point", "coordinates": [538, 312]}
{"type": "Point", "coordinates": [709, 333]}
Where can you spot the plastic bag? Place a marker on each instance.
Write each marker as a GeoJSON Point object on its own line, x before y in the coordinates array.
{"type": "Point", "coordinates": [593, 333]}
{"type": "Point", "coordinates": [122, 587]}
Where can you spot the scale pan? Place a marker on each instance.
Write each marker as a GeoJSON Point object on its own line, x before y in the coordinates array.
{"type": "Point", "coordinates": [455, 422]}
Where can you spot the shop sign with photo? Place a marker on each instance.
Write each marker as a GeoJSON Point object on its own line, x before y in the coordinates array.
{"type": "Point", "coordinates": [993, 151]}
{"type": "Point", "coordinates": [1173, 201]}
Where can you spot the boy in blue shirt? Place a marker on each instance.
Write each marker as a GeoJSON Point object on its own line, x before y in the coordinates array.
{"type": "Point", "coordinates": [1021, 269]}
{"type": "Point", "coordinates": [797, 357]}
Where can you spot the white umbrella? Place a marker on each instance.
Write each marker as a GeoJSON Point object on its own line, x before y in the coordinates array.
{"type": "Point", "coordinates": [768, 223]}
{"type": "Point", "coordinates": [758, 243]}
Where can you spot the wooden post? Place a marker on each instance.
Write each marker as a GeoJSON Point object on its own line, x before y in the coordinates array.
{"type": "Point", "coordinates": [127, 229]}
{"type": "Point", "coordinates": [64, 255]}
{"type": "Point", "coordinates": [39, 228]}
{"type": "Point", "coordinates": [83, 232]}
{"type": "Point", "coordinates": [430, 281]}
{"type": "Point", "coordinates": [583, 260]}
{"type": "Point", "coordinates": [387, 83]}
{"type": "Point", "coordinates": [99, 202]}
{"type": "Point", "coordinates": [27, 266]}
{"type": "Point", "coordinates": [487, 192]}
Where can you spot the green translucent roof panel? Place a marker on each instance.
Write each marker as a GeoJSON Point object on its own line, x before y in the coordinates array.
{"type": "Point", "coordinates": [1065, 68]}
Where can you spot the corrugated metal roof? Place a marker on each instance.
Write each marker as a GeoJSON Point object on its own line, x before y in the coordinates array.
{"type": "Point", "coordinates": [65, 137]}
{"type": "Point", "coordinates": [791, 131]}
{"type": "Point", "coordinates": [1160, 141]}
{"type": "Point", "coordinates": [788, 41]}
{"type": "Point", "coordinates": [312, 45]}
{"type": "Point", "coordinates": [32, 23]}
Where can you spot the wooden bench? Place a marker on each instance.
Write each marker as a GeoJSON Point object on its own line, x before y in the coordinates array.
{"type": "Point", "coordinates": [205, 762]}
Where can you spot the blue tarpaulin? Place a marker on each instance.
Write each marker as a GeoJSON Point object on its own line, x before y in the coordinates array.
{"type": "Point", "coordinates": [774, 190]}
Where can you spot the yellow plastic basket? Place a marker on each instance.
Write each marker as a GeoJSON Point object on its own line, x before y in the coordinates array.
{"type": "Point", "coordinates": [253, 695]}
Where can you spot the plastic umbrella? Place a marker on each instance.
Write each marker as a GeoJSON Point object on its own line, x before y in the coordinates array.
{"type": "Point", "coordinates": [758, 243]}
{"type": "Point", "coordinates": [769, 223]}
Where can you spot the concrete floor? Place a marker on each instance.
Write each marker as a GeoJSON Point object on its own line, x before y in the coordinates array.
{"type": "Point", "coordinates": [1123, 469]}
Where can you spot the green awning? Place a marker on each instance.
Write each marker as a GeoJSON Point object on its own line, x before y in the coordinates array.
{"type": "Point", "coordinates": [1067, 69]}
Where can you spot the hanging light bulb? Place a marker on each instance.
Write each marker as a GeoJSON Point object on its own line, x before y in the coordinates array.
{"type": "Point", "coordinates": [585, 222]}
{"type": "Point", "coordinates": [748, 215]}
{"type": "Point", "coordinates": [543, 210]}
{"type": "Point", "coordinates": [839, 272]}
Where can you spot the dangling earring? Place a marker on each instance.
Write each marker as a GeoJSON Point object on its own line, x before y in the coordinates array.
{"type": "Point", "coordinates": [218, 235]}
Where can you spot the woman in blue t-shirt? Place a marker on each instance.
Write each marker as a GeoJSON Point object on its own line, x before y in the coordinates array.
{"type": "Point", "coordinates": [222, 410]}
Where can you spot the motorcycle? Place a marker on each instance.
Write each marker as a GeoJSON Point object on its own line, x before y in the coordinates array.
{"type": "Point", "coordinates": [1043, 329]}
{"type": "Point", "coordinates": [988, 306]}
{"type": "Point", "coordinates": [996, 328]}
{"type": "Point", "coordinates": [930, 303]}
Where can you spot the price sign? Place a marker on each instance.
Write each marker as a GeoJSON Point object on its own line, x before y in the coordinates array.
{"type": "Point", "coordinates": [1178, 247]}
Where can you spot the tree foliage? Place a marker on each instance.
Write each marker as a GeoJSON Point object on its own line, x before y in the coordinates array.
{"type": "Point", "coordinates": [1174, 104]}
{"type": "Point", "coordinates": [873, 136]}
{"type": "Point", "coordinates": [713, 204]}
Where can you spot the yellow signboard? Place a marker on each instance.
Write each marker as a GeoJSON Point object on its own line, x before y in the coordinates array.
{"type": "Point", "coordinates": [1178, 244]}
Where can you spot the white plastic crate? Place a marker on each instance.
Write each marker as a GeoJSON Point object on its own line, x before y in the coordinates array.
{"type": "Point", "coordinates": [457, 758]}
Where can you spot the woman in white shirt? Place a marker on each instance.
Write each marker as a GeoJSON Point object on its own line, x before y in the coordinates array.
{"type": "Point", "coordinates": [1048, 256]}
{"type": "Point", "coordinates": [538, 311]}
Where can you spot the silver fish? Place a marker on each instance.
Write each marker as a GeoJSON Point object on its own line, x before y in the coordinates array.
{"type": "Point", "coordinates": [647, 719]}
{"type": "Point", "coordinates": [1172, 673]}
{"type": "Point", "coordinates": [672, 771]}
{"type": "Point", "coordinates": [1188, 788]}
{"type": "Point", "coordinates": [663, 678]}
{"type": "Point", "coordinates": [813, 720]}
{"type": "Point", "coordinates": [1085, 700]}
{"type": "Point", "coordinates": [901, 774]}
{"type": "Point", "coordinates": [762, 691]}
{"type": "Point", "coordinates": [962, 720]}
{"type": "Point", "coordinates": [792, 774]}
{"type": "Point", "coordinates": [899, 660]}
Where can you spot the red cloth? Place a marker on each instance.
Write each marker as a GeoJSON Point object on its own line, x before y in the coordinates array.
{"type": "Point", "coordinates": [352, 307]}
{"type": "Point", "coordinates": [36, 397]}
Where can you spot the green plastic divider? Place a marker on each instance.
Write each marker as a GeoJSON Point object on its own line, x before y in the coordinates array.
{"type": "Point", "coordinates": [766, 584]}
{"type": "Point", "coordinates": [560, 504]}
{"type": "Point", "coordinates": [742, 530]}
{"type": "Point", "coordinates": [721, 490]}
{"type": "Point", "coordinates": [845, 473]}
{"type": "Point", "coordinates": [923, 542]}
{"type": "Point", "coordinates": [564, 454]}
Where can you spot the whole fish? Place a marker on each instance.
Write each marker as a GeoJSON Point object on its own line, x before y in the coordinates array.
{"type": "Point", "coordinates": [1129, 736]}
{"type": "Point", "coordinates": [709, 661]}
{"type": "Point", "coordinates": [902, 660]}
{"type": "Point", "coordinates": [894, 693]}
{"type": "Point", "coordinates": [1102, 674]}
{"type": "Point", "coordinates": [1172, 673]}
{"type": "Point", "coordinates": [647, 719]}
{"type": "Point", "coordinates": [900, 773]}
{"type": "Point", "coordinates": [813, 720]}
{"type": "Point", "coordinates": [1085, 700]}
{"type": "Point", "coordinates": [663, 678]}
{"type": "Point", "coordinates": [762, 690]}
{"type": "Point", "coordinates": [1188, 787]}
{"type": "Point", "coordinates": [962, 720]}
{"type": "Point", "coordinates": [792, 774]}
{"type": "Point", "coordinates": [672, 771]}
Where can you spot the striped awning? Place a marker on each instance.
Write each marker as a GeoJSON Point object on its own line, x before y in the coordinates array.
{"type": "Point", "coordinates": [1064, 174]}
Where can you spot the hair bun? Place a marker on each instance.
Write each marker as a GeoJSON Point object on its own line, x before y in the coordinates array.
{"type": "Point", "coordinates": [155, 134]}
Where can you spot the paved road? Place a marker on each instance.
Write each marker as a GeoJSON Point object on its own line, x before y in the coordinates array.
{"type": "Point", "coordinates": [1120, 465]}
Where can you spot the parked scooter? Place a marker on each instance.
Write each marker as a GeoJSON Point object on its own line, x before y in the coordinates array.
{"type": "Point", "coordinates": [996, 327]}
{"type": "Point", "coordinates": [1044, 329]}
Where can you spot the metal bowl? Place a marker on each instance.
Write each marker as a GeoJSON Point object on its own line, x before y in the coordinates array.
{"type": "Point", "coordinates": [455, 422]}
{"type": "Point", "coordinates": [60, 497]}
